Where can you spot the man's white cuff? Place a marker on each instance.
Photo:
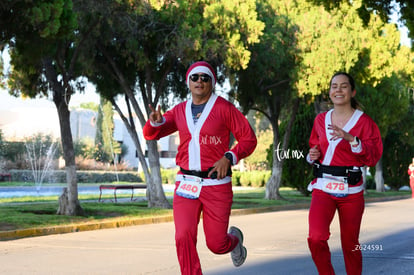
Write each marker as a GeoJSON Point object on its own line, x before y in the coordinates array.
{"type": "Point", "coordinates": [156, 124]}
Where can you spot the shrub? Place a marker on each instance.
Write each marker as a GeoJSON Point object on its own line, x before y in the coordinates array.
{"type": "Point", "coordinates": [168, 175]}
{"type": "Point", "coordinates": [245, 179]}
{"type": "Point", "coordinates": [251, 178]}
{"type": "Point", "coordinates": [59, 176]}
{"type": "Point", "coordinates": [370, 183]}
{"type": "Point", "coordinates": [236, 178]}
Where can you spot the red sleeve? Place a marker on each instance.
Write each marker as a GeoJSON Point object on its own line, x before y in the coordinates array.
{"type": "Point", "coordinates": [314, 137]}
{"type": "Point", "coordinates": [371, 143]}
{"type": "Point", "coordinates": [318, 136]}
{"type": "Point", "coordinates": [243, 133]}
{"type": "Point", "coordinates": [168, 127]}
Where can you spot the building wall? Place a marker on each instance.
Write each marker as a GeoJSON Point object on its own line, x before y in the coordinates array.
{"type": "Point", "coordinates": [121, 134]}
{"type": "Point", "coordinates": [83, 124]}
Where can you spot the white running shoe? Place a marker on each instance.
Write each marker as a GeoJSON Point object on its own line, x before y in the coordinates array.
{"type": "Point", "coordinates": [239, 253]}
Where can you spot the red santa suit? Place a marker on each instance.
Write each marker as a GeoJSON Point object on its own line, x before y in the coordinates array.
{"type": "Point", "coordinates": [201, 145]}
{"type": "Point", "coordinates": [411, 174]}
{"type": "Point", "coordinates": [350, 205]}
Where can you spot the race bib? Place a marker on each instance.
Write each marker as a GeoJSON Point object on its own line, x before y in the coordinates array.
{"type": "Point", "coordinates": [334, 185]}
{"type": "Point", "coordinates": [189, 187]}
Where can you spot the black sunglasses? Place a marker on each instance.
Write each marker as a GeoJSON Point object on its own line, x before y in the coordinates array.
{"type": "Point", "coordinates": [204, 77]}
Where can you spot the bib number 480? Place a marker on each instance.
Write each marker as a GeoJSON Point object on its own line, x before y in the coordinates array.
{"type": "Point", "coordinates": [189, 187]}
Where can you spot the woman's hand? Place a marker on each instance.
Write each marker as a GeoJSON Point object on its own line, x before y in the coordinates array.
{"type": "Point", "coordinates": [339, 133]}
{"type": "Point", "coordinates": [314, 153]}
{"type": "Point", "coordinates": [155, 115]}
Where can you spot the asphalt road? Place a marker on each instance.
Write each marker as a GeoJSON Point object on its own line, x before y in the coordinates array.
{"type": "Point", "coordinates": [276, 244]}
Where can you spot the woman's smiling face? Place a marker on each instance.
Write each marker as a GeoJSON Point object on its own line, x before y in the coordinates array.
{"type": "Point", "coordinates": [341, 91]}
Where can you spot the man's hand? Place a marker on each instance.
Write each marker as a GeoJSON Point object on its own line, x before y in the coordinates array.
{"type": "Point", "coordinates": [155, 115]}
{"type": "Point", "coordinates": [221, 167]}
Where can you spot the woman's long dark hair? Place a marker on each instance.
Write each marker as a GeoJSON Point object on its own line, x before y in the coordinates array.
{"type": "Point", "coordinates": [354, 103]}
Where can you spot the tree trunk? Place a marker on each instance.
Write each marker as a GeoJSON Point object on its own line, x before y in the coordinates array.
{"type": "Point", "coordinates": [273, 185]}
{"type": "Point", "coordinates": [155, 192]}
{"type": "Point", "coordinates": [379, 179]}
{"type": "Point", "coordinates": [68, 202]}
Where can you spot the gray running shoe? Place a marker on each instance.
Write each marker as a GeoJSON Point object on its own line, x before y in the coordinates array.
{"type": "Point", "coordinates": [239, 253]}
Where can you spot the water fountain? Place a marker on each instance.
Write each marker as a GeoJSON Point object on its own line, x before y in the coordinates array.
{"type": "Point", "coordinates": [40, 156]}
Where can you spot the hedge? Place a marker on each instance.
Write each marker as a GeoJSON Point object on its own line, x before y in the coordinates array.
{"type": "Point", "coordinates": [59, 176]}
{"type": "Point", "coordinates": [246, 178]}
{"type": "Point", "coordinates": [251, 178]}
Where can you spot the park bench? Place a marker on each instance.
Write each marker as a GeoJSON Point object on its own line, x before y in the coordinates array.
{"type": "Point", "coordinates": [117, 187]}
{"type": "Point", "coordinates": [3, 176]}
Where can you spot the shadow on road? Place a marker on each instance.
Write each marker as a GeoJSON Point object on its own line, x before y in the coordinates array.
{"type": "Point", "coordinates": [392, 255]}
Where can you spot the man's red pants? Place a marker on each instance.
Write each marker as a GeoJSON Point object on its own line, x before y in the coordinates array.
{"type": "Point", "coordinates": [321, 213]}
{"type": "Point", "coordinates": [215, 202]}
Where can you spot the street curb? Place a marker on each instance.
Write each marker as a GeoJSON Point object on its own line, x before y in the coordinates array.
{"type": "Point", "coordinates": [116, 222]}
{"type": "Point", "coordinates": [70, 228]}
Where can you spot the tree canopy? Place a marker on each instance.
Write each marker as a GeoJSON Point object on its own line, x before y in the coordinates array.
{"type": "Point", "coordinates": [47, 48]}
{"type": "Point", "coordinates": [144, 50]}
{"type": "Point", "coordinates": [273, 52]}
{"type": "Point", "coordinates": [383, 8]}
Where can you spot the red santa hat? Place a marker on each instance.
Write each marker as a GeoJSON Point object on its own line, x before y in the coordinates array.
{"type": "Point", "coordinates": [201, 67]}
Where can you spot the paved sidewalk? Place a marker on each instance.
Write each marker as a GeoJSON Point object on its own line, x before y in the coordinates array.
{"type": "Point", "coordinates": [149, 249]}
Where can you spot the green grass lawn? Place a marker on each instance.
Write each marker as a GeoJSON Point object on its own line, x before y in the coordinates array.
{"type": "Point", "coordinates": [30, 212]}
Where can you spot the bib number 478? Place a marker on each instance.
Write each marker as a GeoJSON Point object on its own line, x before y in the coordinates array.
{"type": "Point", "coordinates": [333, 186]}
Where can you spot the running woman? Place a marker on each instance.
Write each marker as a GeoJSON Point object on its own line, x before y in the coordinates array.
{"type": "Point", "coordinates": [342, 140]}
